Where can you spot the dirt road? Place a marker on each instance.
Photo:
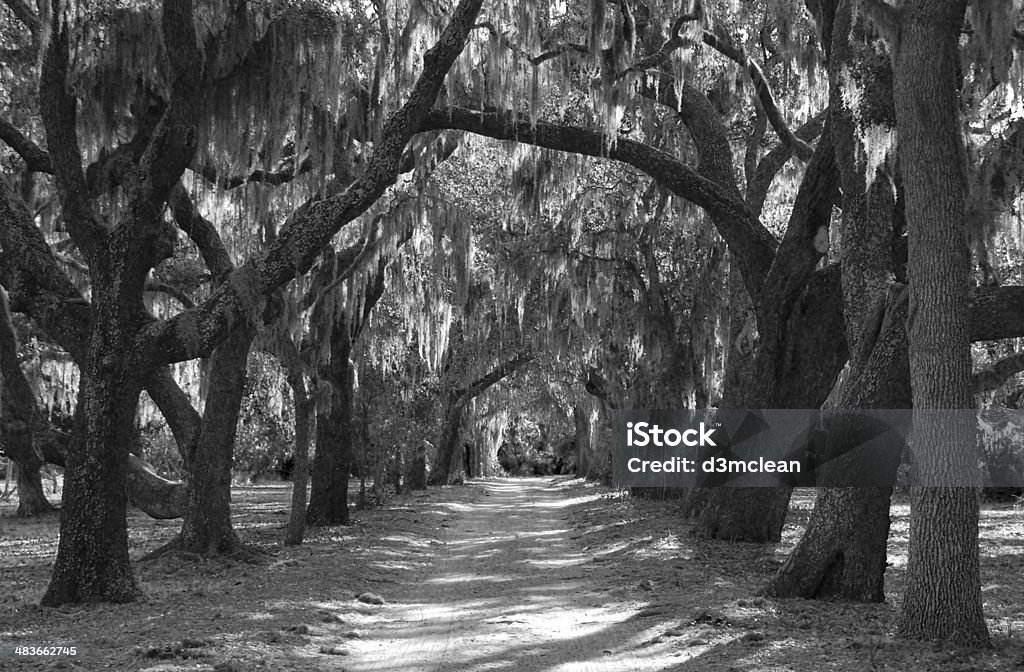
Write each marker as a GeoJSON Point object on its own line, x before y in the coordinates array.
{"type": "Point", "coordinates": [519, 574]}
{"type": "Point", "coordinates": [509, 589]}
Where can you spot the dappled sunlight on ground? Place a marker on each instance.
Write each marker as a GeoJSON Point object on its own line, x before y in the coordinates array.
{"type": "Point", "coordinates": [503, 574]}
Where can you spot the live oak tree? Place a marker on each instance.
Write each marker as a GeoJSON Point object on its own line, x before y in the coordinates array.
{"type": "Point", "coordinates": [343, 295]}
{"type": "Point", "coordinates": [125, 344]}
{"type": "Point", "coordinates": [842, 553]}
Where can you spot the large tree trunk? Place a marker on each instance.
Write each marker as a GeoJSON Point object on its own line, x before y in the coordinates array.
{"type": "Point", "coordinates": [744, 514]}
{"type": "Point", "coordinates": [842, 553]}
{"type": "Point", "coordinates": [207, 528]}
{"type": "Point", "coordinates": [30, 440]}
{"type": "Point", "coordinates": [448, 469]}
{"type": "Point", "coordinates": [328, 498]}
{"type": "Point", "coordinates": [792, 365]}
{"type": "Point", "coordinates": [943, 595]}
{"type": "Point", "coordinates": [157, 497]}
{"type": "Point", "coordinates": [92, 556]}
{"type": "Point", "coordinates": [808, 363]}
{"type": "Point", "coordinates": [31, 497]}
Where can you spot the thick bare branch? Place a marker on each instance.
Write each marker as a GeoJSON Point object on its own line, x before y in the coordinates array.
{"type": "Point", "coordinates": [812, 210]}
{"type": "Point", "coordinates": [202, 232]}
{"type": "Point", "coordinates": [58, 109]}
{"type": "Point", "coordinates": [29, 267]}
{"type": "Point", "coordinates": [772, 162]}
{"type": "Point", "coordinates": [480, 385]}
{"type": "Point", "coordinates": [36, 158]}
{"type": "Point", "coordinates": [173, 145]}
{"type": "Point", "coordinates": [176, 407]}
{"type": "Point", "coordinates": [753, 147]}
{"type": "Point", "coordinates": [709, 134]}
{"type": "Point", "coordinates": [997, 313]}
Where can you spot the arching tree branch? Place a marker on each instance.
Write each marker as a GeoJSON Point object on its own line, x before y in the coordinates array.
{"type": "Point", "coordinates": [751, 242]}
{"type": "Point", "coordinates": [772, 162]}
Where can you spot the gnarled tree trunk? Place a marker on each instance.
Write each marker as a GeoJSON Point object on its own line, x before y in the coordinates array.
{"type": "Point", "coordinates": [92, 557]}
{"type": "Point", "coordinates": [842, 553]}
{"type": "Point", "coordinates": [206, 529]}
{"type": "Point", "coordinates": [449, 467]}
{"type": "Point", "coordinates": [810, 358]}
{"type": "Point", "coordinates": [328, 498]}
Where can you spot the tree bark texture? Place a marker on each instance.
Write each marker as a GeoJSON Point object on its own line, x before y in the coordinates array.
{"type": "Point", "coordinates": [449, 467]}
{"type": "Point", "coordinates": [328, 498]}
{"type": "Point", "coordinates": [304, 415]}
{"type": "Point", "coordinates": [207, 528]}
{"type": "Point", "coordinates": [842, 553]}
{"type": "Point", "coordinates": [92, 556]}
{"type": "Point", "coordinates": [943, 595]}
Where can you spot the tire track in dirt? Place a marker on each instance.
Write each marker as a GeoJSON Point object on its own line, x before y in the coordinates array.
{"type": "Point", "coordinates": [508, 589]}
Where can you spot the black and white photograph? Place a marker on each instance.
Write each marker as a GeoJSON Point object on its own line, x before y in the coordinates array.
{"type": "Point", "coordinates": [527, 336]}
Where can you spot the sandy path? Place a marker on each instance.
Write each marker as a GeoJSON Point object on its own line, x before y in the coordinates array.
{"type": "Point", "coordinates": [508, 589]}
